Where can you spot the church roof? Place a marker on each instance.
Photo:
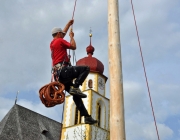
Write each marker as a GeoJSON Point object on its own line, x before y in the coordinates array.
{"type": "Point", "coordinates": [94, 64]}
{"type": "Point", "coordinates": [24, 124]}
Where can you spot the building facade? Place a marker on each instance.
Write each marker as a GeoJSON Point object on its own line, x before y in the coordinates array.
{"type": "Point", "coordinates": [96, 103]}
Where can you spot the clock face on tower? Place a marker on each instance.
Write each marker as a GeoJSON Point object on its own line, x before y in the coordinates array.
{"type": "Point", "coordinates": [101, 83]}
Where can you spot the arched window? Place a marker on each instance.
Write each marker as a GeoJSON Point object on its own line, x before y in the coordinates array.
{"type": "Point", "coordinates": [90, 83]}
{"type": "Point", "coordinates": [77, 119]}
{"type": "Point", "coordinates": [99, 115]}
{"type": "Point", "coordinates": [76, 116]}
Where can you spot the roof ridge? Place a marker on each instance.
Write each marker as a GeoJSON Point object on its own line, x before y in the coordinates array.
{"type": "Point", "coordinates": [18, 122]}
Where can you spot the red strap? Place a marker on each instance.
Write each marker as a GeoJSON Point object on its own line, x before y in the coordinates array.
{"type": "Point", "coordinates": [52, 77]}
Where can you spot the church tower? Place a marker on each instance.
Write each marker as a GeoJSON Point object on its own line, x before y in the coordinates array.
{"type": "Point", "coordinates": [96, 104]}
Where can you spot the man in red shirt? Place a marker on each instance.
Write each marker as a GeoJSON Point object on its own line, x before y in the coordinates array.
{"type": "Point", "coordinates": [64, 72]}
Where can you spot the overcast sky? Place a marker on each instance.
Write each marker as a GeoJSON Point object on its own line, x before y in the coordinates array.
{"type": "Point", "coordinates": [25, 63]}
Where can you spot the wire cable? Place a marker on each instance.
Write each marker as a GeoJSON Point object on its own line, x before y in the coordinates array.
{"type": "Point", "coordinates": [144, 70]}
{"type": "Point", "coordinates": [62, 115]}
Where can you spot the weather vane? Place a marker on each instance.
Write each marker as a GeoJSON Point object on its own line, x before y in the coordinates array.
{"type": "Point", "coordinates": [90, 32]}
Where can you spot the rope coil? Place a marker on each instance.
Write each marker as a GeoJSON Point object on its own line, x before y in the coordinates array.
{"type": "Point", "coordinates": [52, 94]}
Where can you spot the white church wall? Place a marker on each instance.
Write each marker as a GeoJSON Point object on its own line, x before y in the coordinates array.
{"type": "Point", "coordinates": [78, 132]}
{"type": "Point", "coordinates": [98, 133]}
{"type": "Point", "coordinates": [67, 111]}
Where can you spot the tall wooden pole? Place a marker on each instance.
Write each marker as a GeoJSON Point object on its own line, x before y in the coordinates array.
{"type": "Point", "coordinates": [117, 123]}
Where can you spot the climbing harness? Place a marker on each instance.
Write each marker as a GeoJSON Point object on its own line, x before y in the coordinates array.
{"type": "Point", "coordinates": [144, 70]}
{"type": "Point", "coordinates": [56, 70]}
{"type": "Point", "coordinates": [52, 93]}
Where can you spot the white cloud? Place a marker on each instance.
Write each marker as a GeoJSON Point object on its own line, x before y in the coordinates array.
{"type": "Point", "coordinates": [53, 112]}
{"type": "Point", "coordinates": [147, 131]}
{"type": "Point", "coordinates": [38, 107]}
{"type": "Point", "coordinates": [150, 134]}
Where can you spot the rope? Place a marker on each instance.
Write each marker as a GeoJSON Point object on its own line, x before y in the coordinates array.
{"type": "Point", "coordinates": [63, 110]}
{"type": "Point", "coordinates": [62, 116]}
{"type": "Point", "coordinates": [73, 13]}
{"type": "Point", "coordinates": [72, 29]}
{"type": "Point", "coordinates": [74, 9]}
{"type": "Point", "coordinates": [74, 57]}
{"type": "Point", "coordinates": [145, 71]}
{"type": "Point", "coordinates": [52, 94]}
{"type": "Point", "coordinates": [70, 57]}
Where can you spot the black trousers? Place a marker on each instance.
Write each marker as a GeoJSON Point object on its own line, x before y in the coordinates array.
{"type": "Point", "coordinates": [66, 76]}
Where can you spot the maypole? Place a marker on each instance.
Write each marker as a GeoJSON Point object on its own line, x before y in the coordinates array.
{"type": "Point", "coordinates": [117, 123]}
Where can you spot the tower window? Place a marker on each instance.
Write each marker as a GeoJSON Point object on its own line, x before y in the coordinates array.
{"type": "Point", "coordinates": [77, 117]}
{"type": "Point", "coordinates": [90, 83]}
{"type": "Point", "coordinates": [99, 115]}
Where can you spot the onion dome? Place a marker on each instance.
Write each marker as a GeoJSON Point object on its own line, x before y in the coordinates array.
{"type": "Point", "coordinates": [94, 64]}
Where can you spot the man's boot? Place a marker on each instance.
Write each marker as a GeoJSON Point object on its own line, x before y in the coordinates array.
{"type": "Point", "coordinates": [90, 120]}
{"type": "Point", "coordinates": [77, 92]}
